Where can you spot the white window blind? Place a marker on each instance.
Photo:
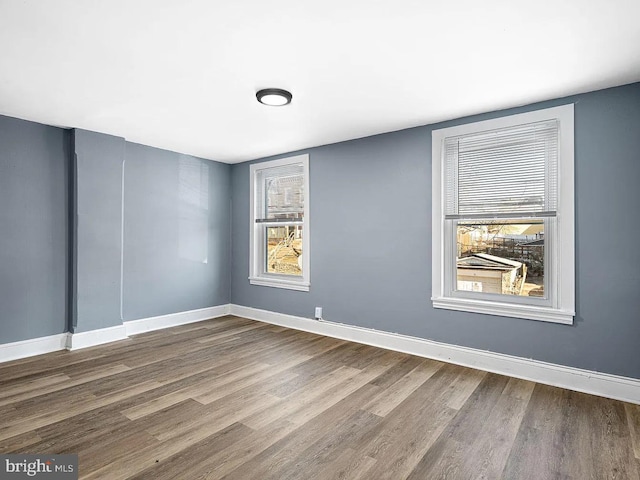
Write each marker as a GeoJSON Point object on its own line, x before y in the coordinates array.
{"type": "Point", "coordinates": [505, 173]}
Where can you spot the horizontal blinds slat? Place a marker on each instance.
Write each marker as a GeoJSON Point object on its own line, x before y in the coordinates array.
{"type": "Point", "coordinates": [493, 215]}
{"type": "Point", "coordinates": [279, 221]}
{"type": "Point", "coordinates": [502, 171]}
{"type": "Point", "coordinates": [509, 135]}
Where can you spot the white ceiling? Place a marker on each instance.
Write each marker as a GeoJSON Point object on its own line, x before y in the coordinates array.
{"type": "Point", "coordinates": [182, 74]}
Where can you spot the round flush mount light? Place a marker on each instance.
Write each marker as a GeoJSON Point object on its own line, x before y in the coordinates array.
{"type": "Point", "coordinates": [274, 97]}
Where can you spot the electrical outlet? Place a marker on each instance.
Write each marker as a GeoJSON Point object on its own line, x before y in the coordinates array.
{"type": "Point", "coordinates": [318, 313]}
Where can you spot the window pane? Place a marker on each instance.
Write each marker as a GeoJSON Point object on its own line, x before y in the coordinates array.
{"type": "Point", "coordinates": [284, 196]}
{"type": "Point", "coordinates": [501, 256]}
{"type": "Point", "coordinates": [284, 249]}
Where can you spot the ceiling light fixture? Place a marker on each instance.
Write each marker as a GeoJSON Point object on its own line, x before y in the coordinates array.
{"type": "Point", "coordinates": [274, 97]}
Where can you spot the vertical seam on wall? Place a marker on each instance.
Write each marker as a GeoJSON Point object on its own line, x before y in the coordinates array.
{"type": "Point", "coordinates": [231, 262]}
{"type": "Point", "coordinates": [73, 234]}
{"type": "Point", "coordinates": [122, 240]}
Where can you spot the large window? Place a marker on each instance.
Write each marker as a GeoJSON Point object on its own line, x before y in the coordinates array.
{"type": "Point", "coordinates": [503, 216]}
{"type": "Point", "coordinates": [280, 223]}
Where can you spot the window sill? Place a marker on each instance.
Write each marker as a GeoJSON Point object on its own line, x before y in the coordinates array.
{"type": "Point", "coordinates": [544, 314]}
{"type": "Point", "coordinates": [280, 283]}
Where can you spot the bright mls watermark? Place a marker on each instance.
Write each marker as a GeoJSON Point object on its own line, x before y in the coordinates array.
{"type": "Point", "coordinates": [50, 467]}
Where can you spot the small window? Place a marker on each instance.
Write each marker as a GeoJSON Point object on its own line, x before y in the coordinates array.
{"type": "Point", "coordinates": [280, 223]}
{"type": "Point", "coordinates": [503, 216]}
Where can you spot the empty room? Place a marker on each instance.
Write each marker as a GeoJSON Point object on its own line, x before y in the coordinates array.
{"type": "Point", "coordinates": [316, 241]}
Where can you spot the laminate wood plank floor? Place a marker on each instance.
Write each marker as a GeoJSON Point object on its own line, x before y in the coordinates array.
{"type": "Point", "coordinates": [231, 398]}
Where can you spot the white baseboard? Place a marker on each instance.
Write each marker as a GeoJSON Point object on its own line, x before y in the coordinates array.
{"type": "Point", "coordinates": [96, 337]}
{"type": "Point", "coordinates": [33, 346]}
{"type": "Point", "coordinates": [596, 383]}
{"type": "Point", "coordinates": [174, 319]}
{"type": "Point", "coordinates": [74, 341]}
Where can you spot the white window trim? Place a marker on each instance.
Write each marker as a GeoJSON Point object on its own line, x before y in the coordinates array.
{"type": "Point", "coordinates": [562, 309]}
{"type": "Point", "coordinates": [256, 273]}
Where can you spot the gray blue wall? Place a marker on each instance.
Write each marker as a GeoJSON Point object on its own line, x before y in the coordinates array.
{"type": "Point", "coordinates": [62, 239]}
{"type": "Point", "coordinates": [176, 232]}
{"type": "Point", "coordinates": [97, 217]}
{"type": "Point", "coordinates": [371, 242]}
{"type": "Point", "coordinates": [33, 230]}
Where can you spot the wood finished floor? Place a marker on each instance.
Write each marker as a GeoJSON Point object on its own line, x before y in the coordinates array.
{"type": "Point", "coordinates": [237, 399]}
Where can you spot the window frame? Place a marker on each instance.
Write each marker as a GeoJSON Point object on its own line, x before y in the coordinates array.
{"type": "Point", "coordinates": [257, 254]}
{"type": "Point", "coordinates": [559, 254]}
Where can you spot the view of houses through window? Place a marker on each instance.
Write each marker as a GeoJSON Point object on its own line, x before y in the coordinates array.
{"type": "Point", "coordinates": [285, 204]}
{"type": "Point", "coordinates": [501, 256]}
